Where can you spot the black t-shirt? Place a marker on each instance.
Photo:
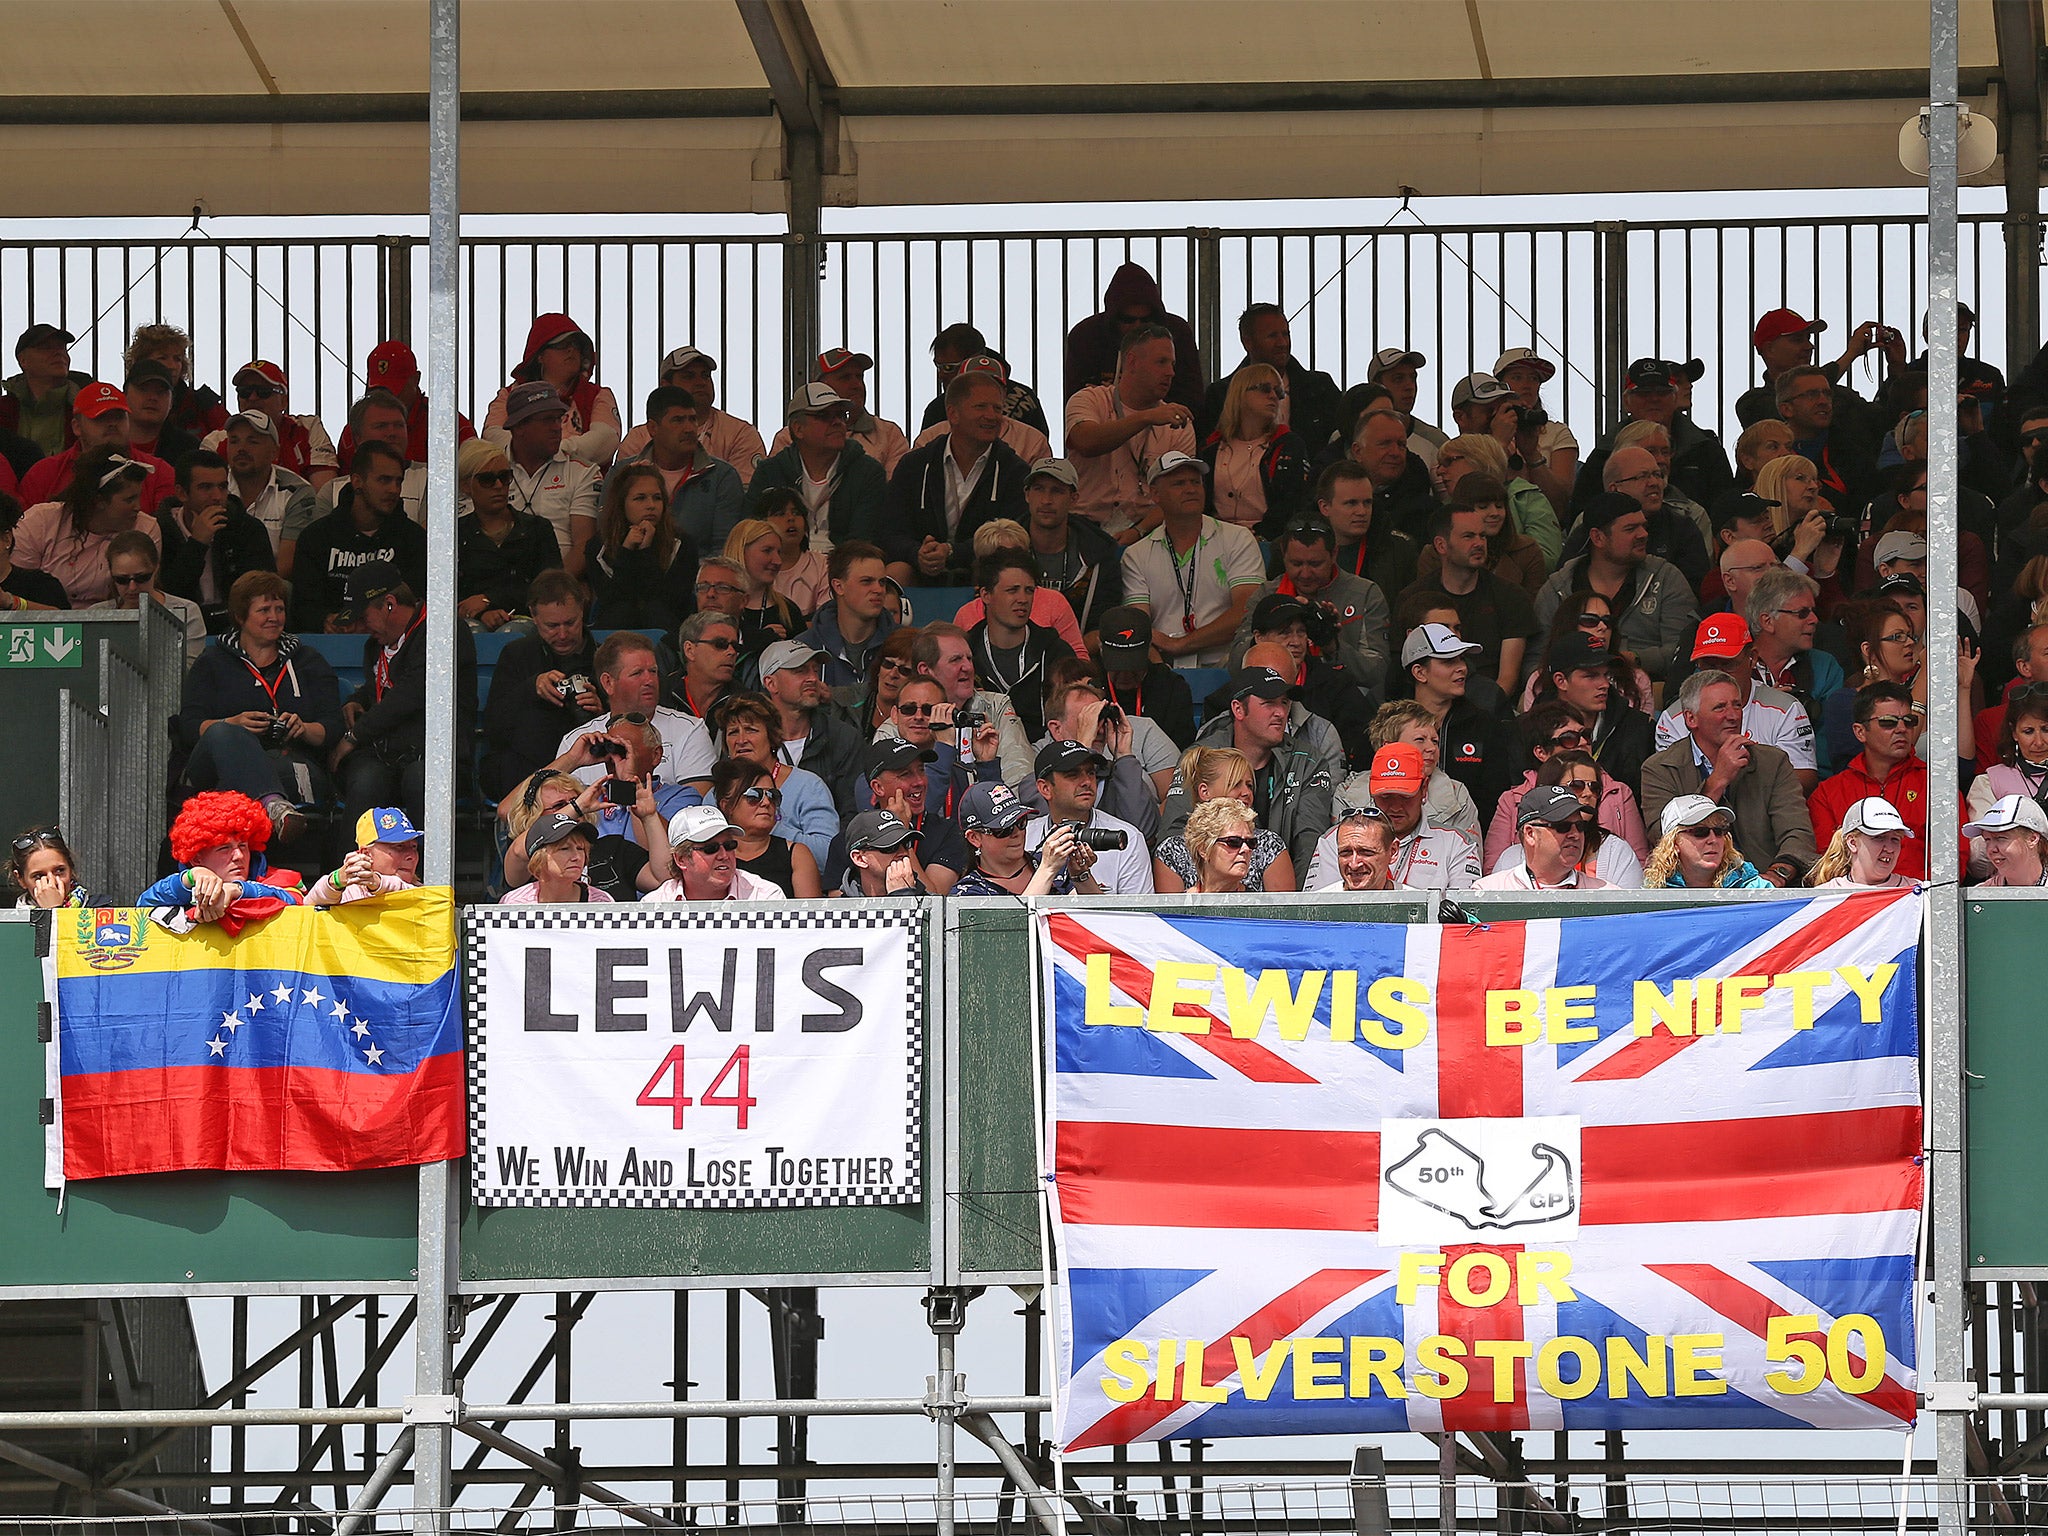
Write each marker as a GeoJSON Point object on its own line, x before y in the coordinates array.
{"type": "Point", "coordinates": [35, 587]}
{"type": "Point", "coordinates": [939, 841]}
{"type": "Point", "coordinates": [1493, 611]}
{"type": "Point", "coordinates": [615, 865]}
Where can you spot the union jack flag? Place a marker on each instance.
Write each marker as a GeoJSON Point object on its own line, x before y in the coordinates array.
{"type": "Point", "coordinates": [1253, 1191]}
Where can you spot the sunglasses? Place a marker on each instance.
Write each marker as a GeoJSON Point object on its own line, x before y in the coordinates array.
{"type": "Point", "coordinates": [1796, 613]}
{"type": "Point", "coordinates": [1235, 844]}
{"type": "Point", "coordinates": [916, 709]}
{"type": "Point", "coordinates": [1568, 739]}
{"type": "Point", "coordinates": [891, 664]}
{"type": "Point", "coordinates": [134, 581]}
{"type": "Point", "coordinates": [723, 643]}
{"type": "Point", "coordinates": [635, 718]}
{"type": "Point", "coordinates": [723, 845]}
{"type": "Point", "coordinates": [492, 477]}
{"type": "Point", "coordinates": [1702, 833]}
{"type": "Point", "coordinates": [1892, 722]}
{"type": "Point", "coordinates": [1594, 621]}
{"type": "Point", "coordinates": [42, 837]}
{"type": "Point", "coordinates": [757, 794]}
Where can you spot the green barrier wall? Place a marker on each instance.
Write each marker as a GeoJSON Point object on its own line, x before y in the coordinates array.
{"type": "Point", "coordinates": [2006, 1054]}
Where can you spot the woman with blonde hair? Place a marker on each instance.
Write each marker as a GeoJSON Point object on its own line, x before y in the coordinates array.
{"type": "Point", "coordinates": [1698, 852]}
{"type": "Point", "coordinates": [642, 573]}
{"type": "Point", "coordinates": [1213, 774]}
{"type": "Point", "coordinates": [1258, 465]}
{"type": "Point", "coordinates": [1865, 848]}
{"type": "Point", "coordinates": [1048, 606]}
{"type": "Point", "coordinates": [499, 549]}
{"type": "Point", "coordinates": [755, 545]}
{"type": "Point", "coordinates": [1530, 513]}
{"type": "Point", "coordinates": [1221, 837]}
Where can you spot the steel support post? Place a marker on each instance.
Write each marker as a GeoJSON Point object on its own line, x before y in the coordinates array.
{"type": "Point", "coordinates": [803, 255]}
{"type": "Point", "coordinates": [1209, 301]}
{"type": "Point", "coordinates": [1610, 345]}
{"type": "Point", "coordinates": [380, 1480]}
{"type": "Point", "coordinates": [433, 1373]}
{"type": "Point", "coordinates": [1944, 987]}
{"type": "Point", "coordinates": [2017, 25]}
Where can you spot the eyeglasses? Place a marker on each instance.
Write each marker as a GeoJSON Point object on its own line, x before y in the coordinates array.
{"type": "Point", "coordinates": [135, 581]}
{"type": "Point", "coordinates": [1891, 722]}
{"type": "Point", "coordinates": [635, 718]}
{"type": "Point", "coordinates": [492, 477]}
{"type": "Point", "coordinates": [1911, 642]}
{"type": "Point", "coordinates": [718, 588]}
{"type": "Point", "coordinates": [1642, 479]}
{"type": "Point", "coordinates": [1812, 394]}
{"type": "Point", "coordinates": [1568, 739]}
{"type": "Point", "coordinates": [723, 845]}
{"type": "Point", "coordinates": [758, 793]}
{"type": "Point", "coordinates": [723, 643]}
{"type": "Point", "coordinates": [915, 709]}
{"type": "Point", "coordinates": [1795, 613]}
{"type": "Point", "coordinates": [1235, 844]}
{"type": "Point", "coordinates": [2030, 439]}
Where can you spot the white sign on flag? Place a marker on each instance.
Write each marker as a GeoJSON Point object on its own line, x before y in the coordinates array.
{"type": "Point", "coordinates": [743, 1056]}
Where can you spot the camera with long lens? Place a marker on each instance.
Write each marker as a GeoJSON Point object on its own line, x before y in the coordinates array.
{"type": "Point", "coordinates": [1098, 839]}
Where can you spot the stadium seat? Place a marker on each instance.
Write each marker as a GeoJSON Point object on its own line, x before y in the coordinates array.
{"type": "Point", "coordinates": [1203, 681]}
{"type": "Point", "coordinates": [932, 605]}
{"type": "Point", "coordinates": [344, 653]}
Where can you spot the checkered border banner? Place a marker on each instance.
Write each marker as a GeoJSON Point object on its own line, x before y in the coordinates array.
{"type": "Point", "coordinates": [736, 915]}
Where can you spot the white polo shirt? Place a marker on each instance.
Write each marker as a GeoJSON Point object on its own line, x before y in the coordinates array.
{"type": "Point", "coordinates": [1185, 592]}
{"type": "Point", "coordinates": [1427, 859]}
{"type": "Point", "coordinates": [560, 489]}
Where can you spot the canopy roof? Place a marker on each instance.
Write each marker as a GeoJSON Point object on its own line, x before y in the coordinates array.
{"type": "Point", "coordinates": [253, 107]}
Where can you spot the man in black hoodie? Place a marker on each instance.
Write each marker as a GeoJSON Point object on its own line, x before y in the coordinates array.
{"type": "Point", "coordinates": [209, 540]}
{"type": "Point", "coordinates": [367, 526]}
{"type": "Point", "coordinates": [1012, 655]}
{"type": "Point", "coordinates": [381, 757]}
{"type": "Point", "coordinates": [943, 491]}
{"type": "Point", "coordinates": [1132, 298]}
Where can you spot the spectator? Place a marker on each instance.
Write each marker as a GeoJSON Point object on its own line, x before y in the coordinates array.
{"type": "Point", "coordinates": [1548, 450]}
{"type": "Point", "coordinates": [560, 355]}
{"type": "Point", "coordinates": [501, 552]}
{"type": "Point", "coordinates": [1375, 552]}
{"type": "Point", "coordinates": [272, 495]}
{"type": "Point", "coordinates": [1479, 752]}
{"type": "Point", "coordinates": [706, 657]}
{"type": "Point", "coordinates": [1756, 447]}
{"type": "Point", "coordinates": [366, 527]}
{"type": "Point", "coordinates": [23, 590]}
{"type": "Point", "coordinates": [843, 490]}
{"type": "Point", "coordinates": [1049, 609]}
{"type": "Point", "coordinates": [303, 446]}
{"type": "Point", "coordinates": [1494, 616]}
{"type": "Point", "coordinates": [805, 577]}
{"type": "Point", "coordinates": [384, 861]}
{"type": "Point", "coordinates": [99, 419]}
{"type": "Point", "coordinates": [993, 820]}
{"type": "Point", "coordinates": [2013, 835]}
{"type": "Point", "coordinates": [132, 571]}
{"type": "Point", "coordinates": [209, 540]}
{"type": "Point", "coordinates": [1140, 757]}
{"type": "Point", "coordinates": [1843, 452]}
{"type": "Point", "coordinates": [1293, 776]}
{"type": "Point", "coordinates": [148, 389]}
{"type": "Point", "coordinates": [1194, 576]}
{"type": "Point", "coordinates": [1097, 346]}
{"type": "Point", "coordinates": [42, 393]}
{"type": "Point", "coordinates": [259, 712]}
{"type": "Point", "coordinates": [45, 872]}
{"type": "Point", "coordinates": [944, 654]}
{"type": "Point", "coordinates": [1446, 802]}
{"type": "Point", "coordinates": [1783, 619]}
{"type": "Point", "coordinates": [942, 493]}
{"type": "Point", "coordinates": [1653, 601]}
{"type": "Point", "coordinates": [2019, 752]}
{"type": "Point", "coordinates": [1550, 827]}
{"type": "Point", "coordinates": [765, 616]}
{"type": "Point", "coordinates": [642, 573]}
{"type": "Point", "coordinates": [1425, 857]}
{"type": "Point", "coordinates": [958, 349]}
{"type": "Point", "coordinates": [1310, 400]}
{"type": "Point", "coordinates": [629, 678]}
{"type": "Point", "coordinates": [747, 731]}
{"type": "Point", "coordinates": [196, 410]}
{"type": "Point", "coordinates": [849, 627]}
{"type": "Point", "coordinates": [880, 860]}
{"type": "Point", "coordinates": [1482, 452]}
{"type": "Point", "coordinates": [1784, 340]}
{"type": "Point", "coordinates": [376, 418]}
{"type": "Point", "coordinates": [1552, 731]}
{"type": "Point", "coordinates": [1800, 523]}
{"type": "Point", "coordinates": [1671, 536]}
{"type": "Point", "coordinates": [705, 846]}
{"type": "Point", "coordinates": [1697, 851]}
{"type": "Point", "coordinates": [1260, 468]}
{"type": "Point", "coordinates": [896, 779]}
{"type": "Point", "coordinates": [1139, 685]}
{"type": "Point", "coordinates": [628, 807]}
{"type": "Point", "coordinates": [1221, 836]}
{"type": "Point", "coordinates": [545, 792]}
{"type": "Point", "coordinates": [1742, 561]}
{"type": "Point", "coordinates": [380, 758]}
{"type": "Point", "coordinates": [1326, 691]}
{"type": "Point", "coordinates": [1398, 371]}
{"type": "Point", "coordinates": [547, 479]}
{"type": "Point", "coordinates": [1402, 494]}
{"type": "Point", "coordinates": [958, 758]}
{"type": "Point", "coordinates": [1213, 773]}
{"type": "Point", "coordinates": [1069, 780]}
{"type": "Point", "coordinates": [1655, 439]}
{"type": "Point", "coordinates": [1902, 551]}
{"type": "Point", "coordinates": [542, 687]}
{"type": "Point", "coordinates": [814, 737]}
{"type": "Point", "coordinates": [1365, 852]}
{"type": "Point", "coordinates": [558, 856]}
{"type": "Point", "coordinates": [1699, 465]}
{"type": "Point", "coordinates": [1348, 614]}
{"type": "Point", "coordinates": [725, 437]}
{"type": "Point", "coordinates": [1120, 430]}
{"type": "Point", "coordinates": [1513, 557]}
{"type": "Point", "coordinates": [1866, 848]}
{"type": "Point", "coordinates": [1076, 560]}
{"type": "Point", "coordinates": [1580, 673]}
{"type": "Point", "coordinates": [68, 539]}
{"type": "Point", "coordinates": [1716, 758]}
{"type": "Point", "coordinates": [392, 369]}
{"type": "Point", "coordinates": [1613, 856]}
{"type": "Point", "coordinates": [752, 803]}
{"type": "Point", "coordinates": [845, 373]}
{"type": "Point", "coordinates": [1026, 441]}
{"type": "Point", "coordinates": [218, 839]}
{"type": "Point", "coordinates": [1883, 633]}
{"type": "Point", "coordinates": [1768, 715]}
{"type": "Point", "coordinates": [1013, 655]}
{"type": "Point", "coordinates": [704, 492]}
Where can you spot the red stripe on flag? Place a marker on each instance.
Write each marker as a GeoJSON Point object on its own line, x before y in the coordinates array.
{"type": "Point", "coordinates": [1276, 1320]}
{"type": "Point", "coordinates": [1749, 1308]}
{"type": "Point", "coordinates": [1134, 978]}
{"type": "Point", "coordinates": [305, 1119]}
{"type": "Point", "coordinates": [1646, 1053]}
{"type": "Point", "coordinates": [1473, 1078]}
{"type": "Point", "coordinates": [1113, 1174]}
{"type": "Point", "coordinates": [1475, 1408]}
{"type": "Point", "coordinates": [1740, 1170]}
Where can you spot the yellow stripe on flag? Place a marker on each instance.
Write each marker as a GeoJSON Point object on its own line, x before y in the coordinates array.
{"type": "Point", "coordinates": [408, 938]}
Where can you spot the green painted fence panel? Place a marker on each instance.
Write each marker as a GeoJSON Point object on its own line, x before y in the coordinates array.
{"type": "Point", "coordinates": [2006, 1053]}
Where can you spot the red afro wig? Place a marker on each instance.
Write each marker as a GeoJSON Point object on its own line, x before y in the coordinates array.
{"type": "Point", "coordinates": [216, 817]}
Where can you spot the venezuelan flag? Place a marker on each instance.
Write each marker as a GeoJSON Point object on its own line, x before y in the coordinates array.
{"type": "Point", "coordinates": [319, 1040]}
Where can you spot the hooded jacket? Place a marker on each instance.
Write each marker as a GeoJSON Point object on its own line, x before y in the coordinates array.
{"type": "Point", "coordinates": [1300, 809]}
{"type": "Point", "coordinates": [846, 666]}
{"type": "Point", "coordinates": [591, 433]}
{"type": "Point", "coordinates": [859, 491]}
{"type": "Point", "coordinates": [1656, 612]}
{"type": "Point", "coordinates": [916, 505]}
{"type": "Point", "coordinates": [1092, 343]}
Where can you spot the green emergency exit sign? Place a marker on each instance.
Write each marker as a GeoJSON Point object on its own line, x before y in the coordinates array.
{"type": "Point", "coordinates": [41, 645]}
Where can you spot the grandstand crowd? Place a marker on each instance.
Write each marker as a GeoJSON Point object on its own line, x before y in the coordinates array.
{"type": "Point", "coordinates": [1277, 632]}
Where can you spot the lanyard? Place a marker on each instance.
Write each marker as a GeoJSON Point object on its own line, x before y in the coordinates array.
{"type": "Point", "coordinates": [1187, 588]}
{"type": "Point", "coordinates": [1137, 704]}
{"type": "Point", "coordinates": [381, 674]}
{"type": "Point", "coordinates": [270, 689]}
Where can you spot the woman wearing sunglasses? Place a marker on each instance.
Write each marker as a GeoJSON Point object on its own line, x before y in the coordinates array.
{"type": "Point", "coordinates": [752, 803]}
{"type": "Point", "coordinates": [45, 872]}
{"type": "Point", "coordinates": [1221, 835]}
{"type": "Point", "coordinates": [1590, 617]}
{"type": "Point", "coordinates": [889, 668]}
{"type": "Point", "coordinates": [1698, 852]}
{"type": "Point", "coordinates": [749, 730]}
{"type": "Point", "coordinates": [499, 548]}
{"type": "Point", "coordinates": [1221, 773]}
{"type": "Point", "coordinates": [642, 573]}
{"type": "Point", "coordinates": [1552, 732]}
{"type": "Point", "coordinates": [1259, 466]}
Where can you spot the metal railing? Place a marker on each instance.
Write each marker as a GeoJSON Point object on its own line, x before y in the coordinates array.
{"type": "Point", "coordinates": [1589, 297]}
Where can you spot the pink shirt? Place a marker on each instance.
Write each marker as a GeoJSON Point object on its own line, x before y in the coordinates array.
{"type": "Point", "coordinates": [529, 894]}
{"type": "Point", "coordinates": [1047, 608]}
{"type": "Point", "coordinates": [804, 582]}
{"type": "Point", "coordinates": [1113, 483]}
{"type": "Point", "coordinates": [42, 543]}
{"type": "Point", "coordinates": [724, 437]}
{"type": "Point", "coordinates": [1025, 440]}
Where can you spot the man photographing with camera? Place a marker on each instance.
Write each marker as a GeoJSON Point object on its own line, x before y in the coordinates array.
{"type": "Point", "coordinates": [1111, 855]}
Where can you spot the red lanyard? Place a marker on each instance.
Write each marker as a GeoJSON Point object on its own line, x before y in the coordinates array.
{"type": "Point", "coordinates": [1137, 704]}
{"type": "Point", "coordinates": [268, 688]}
{"type": "Point", "coordinates": [381, 675]}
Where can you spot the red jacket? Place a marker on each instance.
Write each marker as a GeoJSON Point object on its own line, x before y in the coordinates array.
{"type": "Point", "coordinates": [48, 479]}
{"type": "Point", "coordinates": [1905, 788]}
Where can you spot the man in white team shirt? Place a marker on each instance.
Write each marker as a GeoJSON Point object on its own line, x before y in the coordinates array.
{"type": "Point", "coordinates": [1551, 824]}
{"type": "Point", "coordinates": [1424, 858]}
{"type": "Point", "coordinates": [1769, 715]}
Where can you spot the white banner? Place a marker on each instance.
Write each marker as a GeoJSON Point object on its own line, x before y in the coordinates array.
{"type": "Point", "coordinates": [741, 1056]}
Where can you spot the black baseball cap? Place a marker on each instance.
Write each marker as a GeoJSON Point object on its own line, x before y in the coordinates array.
{"type": "Point", "coordinates": [1693, 369]}
{"type": "Point", "coordinates": [1573, 652]}
{"type": "Point", "coordinates": [1649, 373]}
{"type": "Point", "coordinates": [991, 808]}
{"type": "Point", "coordinates": [876, 830]}
{"type": "Point", "coordinates": [41, 334]}
{"type": "Point", "coordinates": [1065, 757]}
{"type": "Point", "coordinates": [1904, 584]}
{"type": "Point", "coordinates": [372, 582]}
{"type": "Point", "coordinates": [555, 827]}
{"type": "Point", "coordinates": [1126, 638]}
{"type": "Point", "coordinates": [1258, 683]}
{"type": "Point", "coordinates": [1276, 610]}
{"type": "Point", "coordinates": [1746, 505]}
{"type": "Point", "coordinates": [893, 753]}
{"type": "Point", "coordinates": [1548, 802]}
{"type": "Point", "coordinates": [147, 370]}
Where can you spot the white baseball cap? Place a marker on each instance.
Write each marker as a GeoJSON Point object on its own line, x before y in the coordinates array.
{"type": "Point", "coordinates": [1690, 811]}
{"type": "Point", "coordinates": [697, 824]}
{"type": "Point", "coordinates": [2010, 814]}
{"type": "Point", "coordinates": [1876, 814]}
{"type": "Point", "coordinates": [1515, 355]}
{"type": "Point", "coordinates": [1438, 640]}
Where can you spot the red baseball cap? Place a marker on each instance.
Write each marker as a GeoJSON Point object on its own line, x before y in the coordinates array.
{"type": "Point", "coordinates": [1782, 322]}
{"type": "Point", "coordinates": [839, 357]}
{"type": "Point", "coordinates": [95, 400]}
{"type": "Point", "coordinates": [1397, 769]}
{"type": "Point", "coordinates": [1720, 635]}
{"type": "Point", "coordinates": [392, 362]}
{"type": "Point", "coordinates": [262, 370]}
